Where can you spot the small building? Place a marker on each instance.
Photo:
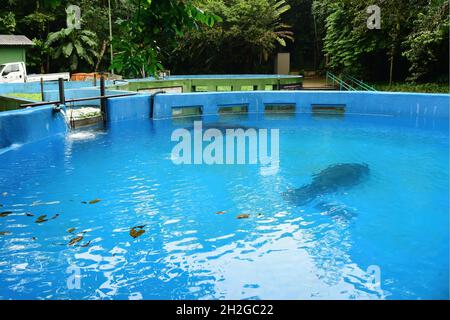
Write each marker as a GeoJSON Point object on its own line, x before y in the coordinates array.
{"type": "Point", "coordinates": [13, 48]}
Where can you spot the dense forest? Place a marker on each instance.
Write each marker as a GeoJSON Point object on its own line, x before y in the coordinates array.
{"type": "Point", "coordinates": [236, 36]}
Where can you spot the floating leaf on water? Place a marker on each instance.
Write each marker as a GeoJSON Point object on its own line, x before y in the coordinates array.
{"type": "Point", "coordinates": [86, 244]}
{"type": "Point", "coordinates": [221, 212]}
{"type": "Point", "coordinates": [70, 230]}
{"type": "Point", "coordinates": [5, 213]}
{"type": "Point", "coordinates": [75, 240]}
{"type": "Point", "coordinates": [84, 202]}
{"type": "Point", "coordinates": [55, 216]}
{"type": "Point", "coordinates": [94, 201]}
{"type": "Point", "coordinates": [5, 233]}
{"type": "Point", "coordinates": [41, 219]}
{"type": "Point", "coordinates": [134, 232]}
{"type": "Point", "coordinates": [29, 214]}
{"type": "Point", "coordinates": [243, 216]}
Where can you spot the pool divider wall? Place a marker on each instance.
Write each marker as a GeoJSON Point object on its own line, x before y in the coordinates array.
{"type": "Point", "coordinates": [53, 95]}
{"type": "Point", "coordinates": [212, 82]}
{"type": "Point", "coordinates": [128, 108]}
{"type": "Point", "coordinates": [8, 103]}
{"type": "Point", "coordinates": [31, 124]}
{"type": "Point", "coordinates": [373, 103]}
{"type": "Point", "coordinates": [35, 87]}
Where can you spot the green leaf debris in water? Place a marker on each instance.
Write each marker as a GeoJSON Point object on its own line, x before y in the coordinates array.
{"type": "Point", "coordinates": [221, 212]}
{"type": "Point", "coordinates": [41, 219]}
{"type": "Point", "coordinates": [137, 231]}
{"type": "Point", "coordinates": [29, 214]}
{"type": "Point", "coordinates": [243, 216]}
{"type": "Point", "coordinates": [94, 201]}
{"type": "Point", "coordinates": [5, 213]}
{"type": "Point", "coordinates": [5, 233]}
{"type": "Point", "coordinates": [55, 216]}
{"type": "Point", "coordinates": [70, 230]}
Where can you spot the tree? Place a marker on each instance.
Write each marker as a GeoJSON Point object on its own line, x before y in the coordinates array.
{"type": "Point", "coordinates": [352, 48]}
{"type": "Point", "coordinates": [74, 45]}
{"type": "Point", "coordinates": [7, 23]}
{"type": "Point", "coordinates": [243, 41]}
{"type": "Point", "coordinates": [427, 46]}
{"type": "Point", "coordinates": [151, 31]}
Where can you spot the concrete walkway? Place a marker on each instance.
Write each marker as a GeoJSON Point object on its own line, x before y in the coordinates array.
{"type": "Point", "coordinates": [316, 83]}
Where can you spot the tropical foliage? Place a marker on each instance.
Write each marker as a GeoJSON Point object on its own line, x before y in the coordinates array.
{"type": "Point", "coordinates": [74, 45]}
{"type": "Point", "coordinates": [412, 40]}
{"type": "Point", "coordinates": [236, 36]}
{"type": "Point", "coordinates": [152, 32]}
{"type": "Point", "coordinates": [429, 39]}
{"type": "Point", "coordinates": [242, 42]}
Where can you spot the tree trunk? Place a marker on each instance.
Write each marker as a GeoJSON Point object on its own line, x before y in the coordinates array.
{"type": "Point", "coordinates": [391, 69]}
{"type": "Point", "coordinates": [100, 57]}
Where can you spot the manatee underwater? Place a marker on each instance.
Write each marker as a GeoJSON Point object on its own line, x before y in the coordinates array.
{"type": "Point", "coordinates": [332, 179]}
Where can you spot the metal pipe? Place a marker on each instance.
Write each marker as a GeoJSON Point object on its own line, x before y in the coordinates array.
{"type": "Point", "coordinates": [62, 98]}
{"type": "Point", "coordinates": [37, 104]}
{"type": "Point", "coordinates": [102, 94]}
{"type": "Point", "coordinates": [152, 102]}
{"type": "Point", "coordinates": [42, 89]}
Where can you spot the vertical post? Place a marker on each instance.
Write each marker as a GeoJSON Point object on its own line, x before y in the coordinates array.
{"type": "Point", "coordinates": [42, 89]}
{"type": "Point", "coordinates": [95, 79]}
{"type": "Point", "coordinates": [62, 98]}
{"type": "Point", "coordinates": [102, 99]}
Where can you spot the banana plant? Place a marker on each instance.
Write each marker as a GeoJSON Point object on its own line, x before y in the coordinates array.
{"type": "Point", "coordinates": [74, 45]}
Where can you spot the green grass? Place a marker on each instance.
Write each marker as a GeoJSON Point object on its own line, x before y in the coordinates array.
{"type": "Point", "coordinates": [410, 87]}
{"type": "Point", "coordinates": [29, 96]}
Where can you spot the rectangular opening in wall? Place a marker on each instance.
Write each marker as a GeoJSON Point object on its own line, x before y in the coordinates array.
{"type": "Point", "coordinates": [200, 88]}
{"type": "Point", "coordinates": [186, 111]}
{"type": "Point", "coordinates": [233, 109]}
{"type": "Point", "coordinates": [268, 87]}
{"type": "Point", "coordinates": [328, 109]}
{"type": "Point", "coordinates": [246, 88]}
{"type": "Point", "coordinates": [224, 88]}
{"type": "Point", "coordinates": [279, 108]}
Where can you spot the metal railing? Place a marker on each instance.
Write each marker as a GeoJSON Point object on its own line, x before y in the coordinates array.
{"type": "Point", "coordinates": [347, 82]}
{"type": "Point", "coordinates": [359, 84]}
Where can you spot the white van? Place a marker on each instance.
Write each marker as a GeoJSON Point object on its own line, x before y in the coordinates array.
{"type": "Point", "coordinates": [16, 72]}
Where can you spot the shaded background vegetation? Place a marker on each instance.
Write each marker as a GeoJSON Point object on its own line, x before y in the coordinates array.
{"type": "Point", "coordinates": [237, 36]}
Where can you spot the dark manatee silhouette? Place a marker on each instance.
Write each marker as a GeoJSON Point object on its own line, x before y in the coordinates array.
{"type": "Point", "coordinates": [332, 179]}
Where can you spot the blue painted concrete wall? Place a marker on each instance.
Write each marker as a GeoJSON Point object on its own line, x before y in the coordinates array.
{"type": "Point", "coordinates": [20, 126]}
{"type": "Point", "coordinates": [128, 108]}
{"type": "Point", "coordinates": [384, 103]}
{"type": "Point", "coordinates": [28, 125]}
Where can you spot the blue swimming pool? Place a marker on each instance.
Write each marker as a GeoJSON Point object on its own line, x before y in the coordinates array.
{"type": "Point", "coordinates": [385, 236]}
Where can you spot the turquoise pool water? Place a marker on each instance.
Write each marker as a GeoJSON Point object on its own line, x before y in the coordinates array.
{"type": "Point", "coordinates": [392, 226]}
